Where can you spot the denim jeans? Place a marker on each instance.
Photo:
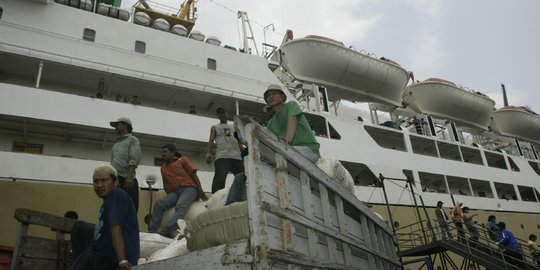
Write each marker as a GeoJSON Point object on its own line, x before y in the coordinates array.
{"type": "Point", "coordinates": [237, 193]}
{"type": "Point", "coordinates": [181, 199]}
{"type": "Point", "coordinates": [222, 167]}
{"type": "Point", "coordinates": [133, 193]}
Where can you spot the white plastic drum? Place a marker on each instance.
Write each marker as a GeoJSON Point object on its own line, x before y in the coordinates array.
{"type": "Point", "coordinates": [179, 29]}
{"type": "Point", "coordinates": [196, 35]}
{"type": "Point", "coordinates": [141, 18]}
{"type": "Point", "coordinates": [213, 40]}
{"type": "Point", "coordinates": [161, 24]}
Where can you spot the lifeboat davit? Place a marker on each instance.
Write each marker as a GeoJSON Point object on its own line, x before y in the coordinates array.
{"type": "Point", "coordinates": [517, 122]}
{"type": "Point", "coordinates": [444, 99]}
{"type": "Point", "coordinates": [346, 73]}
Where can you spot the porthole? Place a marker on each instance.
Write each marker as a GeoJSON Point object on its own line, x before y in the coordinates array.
{"type": "Point", "coordinates": [140, 46]}
{"type": "Point", "coordinates": [89, 34]}
{"type": "Point", "coordinates": [211, 64]}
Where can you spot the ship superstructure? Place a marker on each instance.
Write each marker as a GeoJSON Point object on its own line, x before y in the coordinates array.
{"type": "Point", "coordinates": [65, 72]}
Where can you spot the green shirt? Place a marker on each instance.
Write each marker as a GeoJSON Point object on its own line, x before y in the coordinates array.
{"type": "Point", "coordinates": [303, 136]}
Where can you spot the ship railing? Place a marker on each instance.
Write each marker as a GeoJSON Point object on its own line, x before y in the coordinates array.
{"type": "Point", "coordinates": [158, 7]}
{"type": "Point", "coordinates": [414, 236]}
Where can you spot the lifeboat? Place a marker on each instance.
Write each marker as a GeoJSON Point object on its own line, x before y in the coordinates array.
{"type": "Point", "coordinates": [518, 122]}
{"type": "Point", "coordinates": [346, 73]}
{"type": "Point", "coordinates": [444, 99]}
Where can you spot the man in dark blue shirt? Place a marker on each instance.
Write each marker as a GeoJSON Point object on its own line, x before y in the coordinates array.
{"type": "Point", "coordinates": [510, 247]}
{"type": "Point", "coordinates": [115, 242]}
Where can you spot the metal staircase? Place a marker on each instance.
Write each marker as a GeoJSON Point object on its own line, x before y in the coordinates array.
{"type": "Point", "coordinates": [422, 240]}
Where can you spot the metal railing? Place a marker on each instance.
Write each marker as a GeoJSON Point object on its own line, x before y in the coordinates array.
{"type": "Point", "coordinates": [478, 247]}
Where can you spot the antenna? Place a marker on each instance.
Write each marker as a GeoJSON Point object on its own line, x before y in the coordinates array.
{"type": "Point", "coordinates": [242, 15]}
{"type": "Point", "coordinates": [505, 98]}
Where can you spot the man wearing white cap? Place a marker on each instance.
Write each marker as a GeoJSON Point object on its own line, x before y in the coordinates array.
{"type": "Point", "coordinates": [125, 157]}
{"type": "Point", "coordinates": [289, 123]}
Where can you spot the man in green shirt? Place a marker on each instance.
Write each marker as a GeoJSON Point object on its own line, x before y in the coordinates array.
{"type": "Point", "coordinates": [289, 123]}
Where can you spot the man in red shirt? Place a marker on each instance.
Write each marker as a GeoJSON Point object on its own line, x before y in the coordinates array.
{"type": "Point", "coordinates": [182, 186]}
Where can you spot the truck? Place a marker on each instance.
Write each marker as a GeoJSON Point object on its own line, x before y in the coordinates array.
{"type": "Point", "coordinates": [297, 218]}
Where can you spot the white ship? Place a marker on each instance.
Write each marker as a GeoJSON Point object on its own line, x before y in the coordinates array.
{"type": "Point", "coordinates": [66, 72]}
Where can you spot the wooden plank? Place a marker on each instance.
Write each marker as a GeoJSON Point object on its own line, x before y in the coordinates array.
{"type": "Point", "coordinates": [22, 231]}
{"type": "Point", "coordinates": [44, 219]}
{"type": "Point", "coordinates": [301, 260]}
{"type": "Point", "coordinates": [341, 215]}
{"type": "Point", "coordinates": [288, 235]}
{"type": "Point", "coordinates": [313, 243]}
{"type": "Point", "coordinates": [332, 249]}
{"type": "Point", "coordinates": [257, 223]}
{"type": "Point", "coordinates": [40, 248]}
{"type": "Point", "coordinates": [282, 180]}
{"type": "Point", "coordinates": [325, 230]}
{"type": "Point", "coordinates": [306, 195]}
{"type": "Point", "coordinates": [33, 264]}
{"type": "Point", "coordinates": [325, 203]}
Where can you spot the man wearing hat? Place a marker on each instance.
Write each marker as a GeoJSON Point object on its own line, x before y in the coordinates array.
{"type": "Point", "coordinates": [125, 157]}
{"type": "Point", "coordinates": [289, 123]}
{"type": "Point", "coordinates": [182, 186]}
{"type": "Point", "coordinates": [113, 243]}
{"type": "Point", "coordinates": [442, 219]}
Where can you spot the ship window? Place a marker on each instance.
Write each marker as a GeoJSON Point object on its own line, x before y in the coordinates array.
{"type": "Point", "coordinates": [527, 193]}
{"type": "Point", "coordinates": [387, 138]}
{"type": "Point", "coordinates": [361, 174]}
{"type": "Point", "coordinates": [495, 160]}
{"type": "Point", "coordinates": [432, 182]}
{"type": "Point", "coordinates": [89, 34]}
{"type": "Point", "coordinates": [140, 46]}
{"type": "Point", "coordinates": [481, 188]}
{"type": "Point", "coordinates": [318, 125]}
{"type": "Point", "coordinates": [513, 166]}
{"type": "Point", "coordinates": [458, 185]}
{"type": "Point", "coordinates": [423, 146]}
{"type": "Point", "coordinates": [471, 155]}
{"type": "Point", "coordinates": [211, 64]}
{"type": "Point", "coordinates": [505, 191]}
{"type": "Point", "coordinates": [535, 166]}
{"type": "Point", "coordinates": [449, 151]}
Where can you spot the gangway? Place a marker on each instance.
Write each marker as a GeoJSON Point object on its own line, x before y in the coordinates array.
{"type": "Point", "coordinates": [425, 241]}
{"type": "Point", "coordinates": [415, 242]}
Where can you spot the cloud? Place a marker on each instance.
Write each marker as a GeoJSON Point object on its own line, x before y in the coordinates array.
{"type": "Point", "coordinates": [432, 8]}
{"type": "Point", "coordinates": [429, 57]}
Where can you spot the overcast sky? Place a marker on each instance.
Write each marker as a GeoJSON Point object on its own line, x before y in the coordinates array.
{"type": "Point", "coordinates": [478, 44]}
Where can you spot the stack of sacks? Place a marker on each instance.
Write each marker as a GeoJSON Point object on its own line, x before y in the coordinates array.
{"type": "Point", "coordinates": [336, 171]}
{"type": "Point", "coordinates": [177, 247]}
{"type": "Point", "coordinates": [150, 242]}
{"type": "Point", "coordinates": [153, 242]}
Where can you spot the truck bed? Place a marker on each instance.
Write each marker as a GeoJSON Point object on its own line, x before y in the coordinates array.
{"type": "Point", "coordinates": [298, 217]}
